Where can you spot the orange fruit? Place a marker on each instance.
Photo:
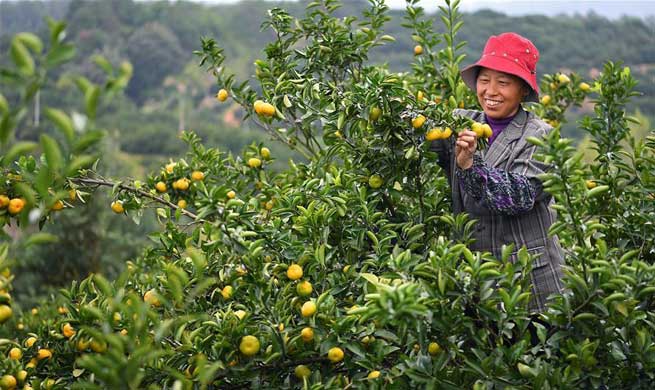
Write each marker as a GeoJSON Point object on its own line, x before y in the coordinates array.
{"type": "Point", "coordinates": [197, 176]}
{"type": "Point", "coordinates": [15, 353]}
{"type": "Point", "coordinates": [43, 353]}
{"type": "Point", "coordinates": [4, 201]}
{"type": "Point", "coordinates": [249, 345]}
{"type": "Point", "coordinates": [294, 272]}
{"type": "Point", "coordinates": [222, 95]}
{"type": "Point", "coordinates": [68, 330]}
{"type": "Point", "coordinates": [160, 186]}
{"type": "Point", "coordinates": [335, 354]}
{"type": "Point", "coordinates": [307, 334]}
{"type": "Point", "coordinates": [254, 162]}
{"type": "Point", "coordinates": [308, 309]}
{"type": "Point", "coordinates": [117, 206]}
{"type": "Point", "coordinates": [418, 121]}
{"type": "Point", "coordinates": [16, 206]}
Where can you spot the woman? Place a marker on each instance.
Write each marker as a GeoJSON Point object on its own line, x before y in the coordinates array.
{"type": "Point", "coordinates": [499, 186]}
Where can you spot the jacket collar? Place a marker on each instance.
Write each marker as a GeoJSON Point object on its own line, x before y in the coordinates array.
{"type": "Point", "coordinates": [497, 152]}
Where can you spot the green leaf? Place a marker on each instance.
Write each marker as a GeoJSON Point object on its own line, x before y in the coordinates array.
{"type": "Point", "coordinates": [52, 152]}
{"type": "Point", "coordinates": [56, 31]}
{"type": "Point", "coordinates": [40, 238]}
{"type": "Point", "coordinates": [59, 55]}
{"type": "Point", "coordinates": [18, 149]}
{"type": "Point", "coordinates": [62, 121]}
{"type": "Point", "coordinates": [91, 101]}
{"type": "Point", "coordinates": [30, 40]}
{"type": "Point", "coordinates": [78, 163]}
{"type": "Point", "coordinates": [102, 62]}
{"type": "Point", "coordinates": [4, 106]}
{"type": "Point", "coordinates": [22, 58]}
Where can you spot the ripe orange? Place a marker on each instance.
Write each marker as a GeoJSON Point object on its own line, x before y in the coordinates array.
{"type": "Point", "coordinates": [58, 205]}
{"type": "Point", "coordinates": [265, 153]}
{"type": "Point", "coordinates": [68, 330]}
{"type": "Point", "coordinates": [227, 292]}
{"type": "Point", "coordinates": [434, 348]}
{"type": "Point", "coordinates": [4, 201]}
{"type": "Point", "coordinates": [150, 297]}
{"type": "Point", "coordinates": [117, 206]}
{"type": "Point", "coordinates": [170, 167]}
{"type": "Point", "coordinates": [43, 353]}
{"type": "Point", "coordinates": [418, 121]}
{"type": "Point", "coordinates": [5, 313]}
{"type": "Point", "coordinates": [434, 134]}
{"type": "Point", "coordinates": [418, 50]}
{"type": "Point", "coordinates": [254, 162]}
{"type": "Point", "coordinates": [249, 345]}
{"type": "Point", "coordinates": [335, 354]}
{"type": "Point", "coordinates": [294, 272]}
{"type": "Point", "coordinates": [16, 206]}
{"type": "Point", "coordinates": [307, 334]}
{"type": "Point", "coordinates": [182, 203]}
{"type": "Point", "coordinates": [545, 100]}
{"type": "Point", "coordinates": [197, 176]}
{"type": "Point", "coordinates": [29, 342]}
{"type": "Point", "coordinates": [182, 184]}
{"type": "Point", "coordinates": [478, 129]}
{"type": "Point", "coordinates": [160, 186]}
{"type": "Point", "coordinates": [8, 382]}
{"type": "Point", "coordinates": [373, 374]}
{"type": "Point", "coordinates": [584, 87]}
{"type": "Point", "coordinates": [231, 194]}
{"type": "Point", "coordinates": [15, 353]}
{"type": "Point", "coordinates": [264, 109]}
{"type": "Point", "coordinates": [308, 309]}
{"type": "Point", "coordinates": [487, 132]}
{"type": "Point", "coordinates": [222, 95]}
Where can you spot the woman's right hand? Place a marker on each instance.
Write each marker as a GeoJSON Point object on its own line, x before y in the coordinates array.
{"type": "Point", "coordinates": [465, 148]}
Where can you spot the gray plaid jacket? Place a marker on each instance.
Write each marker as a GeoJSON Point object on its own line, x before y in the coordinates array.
{"type": "Point", "coordinates": [511, 152]}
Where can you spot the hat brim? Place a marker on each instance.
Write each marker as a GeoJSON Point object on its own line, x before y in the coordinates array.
{"type": "Point", "coordinates": [470, 74]}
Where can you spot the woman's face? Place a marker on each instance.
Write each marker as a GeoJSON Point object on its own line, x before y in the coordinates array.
{"type": "Point", "coordinates": [499, 93]}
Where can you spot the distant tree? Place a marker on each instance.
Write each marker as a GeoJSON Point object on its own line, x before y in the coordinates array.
{"type": "Point", "coordinates": [156, 53]}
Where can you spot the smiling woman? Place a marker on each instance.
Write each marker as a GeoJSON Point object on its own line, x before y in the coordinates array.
{"type": "Point", "coordinates": [499, 186]}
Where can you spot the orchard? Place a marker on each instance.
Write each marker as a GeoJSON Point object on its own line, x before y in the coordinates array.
{"type": "Point", "coordinates": [348, 269]}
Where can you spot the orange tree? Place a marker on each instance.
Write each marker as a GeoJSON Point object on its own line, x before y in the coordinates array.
{"type": "Point", "coordinates": [348, 269]}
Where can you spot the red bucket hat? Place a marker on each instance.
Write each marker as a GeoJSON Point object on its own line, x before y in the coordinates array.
{"type": "Point", "coordinates": [510, 53]}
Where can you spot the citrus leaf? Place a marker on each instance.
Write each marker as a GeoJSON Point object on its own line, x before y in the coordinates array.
{"type": "Point", "coordinates": [52, 152]}
{"type": "Point", "coordinates": [62, 121]}
{"type": "Point", "coordinates": [22, 58]}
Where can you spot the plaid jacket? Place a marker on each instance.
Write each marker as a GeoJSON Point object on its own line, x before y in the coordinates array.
{"type": "Point", "coordinates": [511, 153]}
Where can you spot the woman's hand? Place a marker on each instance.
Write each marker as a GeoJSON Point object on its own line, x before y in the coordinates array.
{"type": "Point", "coordinates": [465, 148]}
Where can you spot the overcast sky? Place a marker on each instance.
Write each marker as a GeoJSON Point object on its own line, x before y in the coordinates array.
{"type": "Point", "coordinates": [608, 8]}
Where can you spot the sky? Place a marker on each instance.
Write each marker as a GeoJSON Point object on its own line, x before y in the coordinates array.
{"type": "Point", "coordinates": [609, 8]}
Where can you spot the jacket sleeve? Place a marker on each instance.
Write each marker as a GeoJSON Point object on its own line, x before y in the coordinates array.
{"type": "Point", "coordinates": [510, 192]}
{"type": "Point", "coordinates": [444, 150]}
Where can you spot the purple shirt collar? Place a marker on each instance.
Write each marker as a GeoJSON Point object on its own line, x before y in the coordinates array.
{"type": "Point", "coordinates": [498, 125]}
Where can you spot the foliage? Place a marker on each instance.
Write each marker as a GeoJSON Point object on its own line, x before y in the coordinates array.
{"type": "Point", "coordinates": [393, 284]}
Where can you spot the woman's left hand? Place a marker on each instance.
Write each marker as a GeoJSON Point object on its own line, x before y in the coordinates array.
{"type": "Point", "coordinates": [465, 148]}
